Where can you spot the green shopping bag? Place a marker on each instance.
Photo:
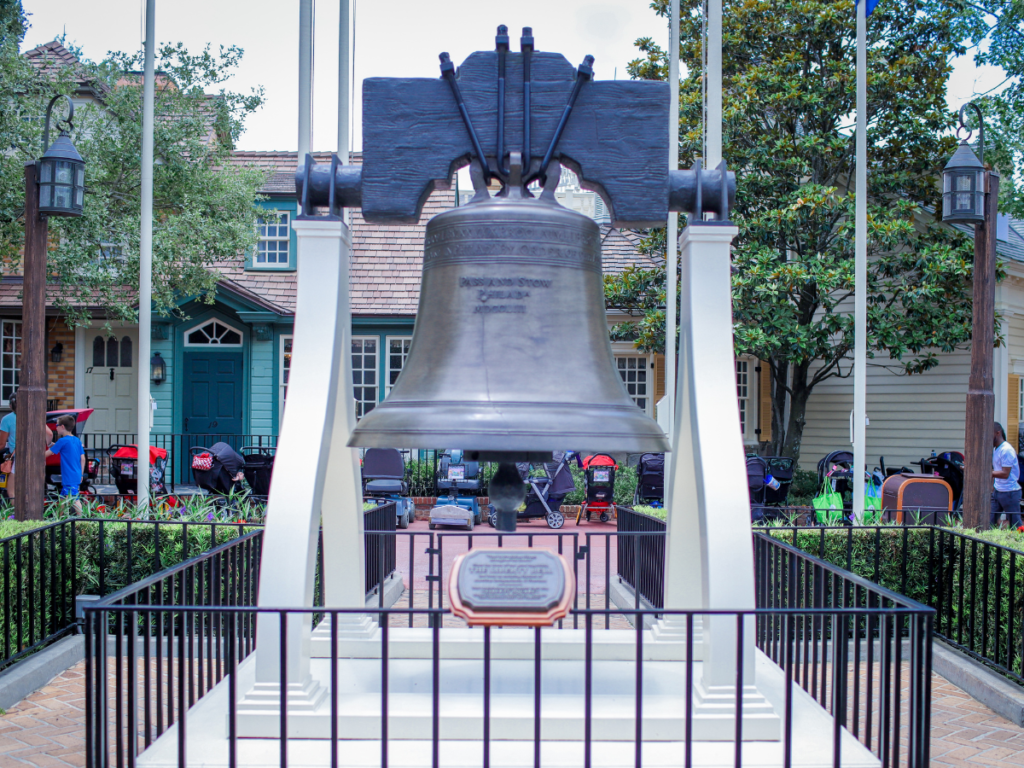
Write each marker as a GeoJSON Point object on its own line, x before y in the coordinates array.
{"type": "Point", "coordinates": [872, 504]}
{"type": "Point", "coordinates": [828, 505]}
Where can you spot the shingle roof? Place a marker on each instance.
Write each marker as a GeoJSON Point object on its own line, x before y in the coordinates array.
{"type": "Point", "coordinates": [387, 259]}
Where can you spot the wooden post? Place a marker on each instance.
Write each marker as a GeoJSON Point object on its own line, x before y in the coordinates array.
{"type": "Point", "coordinates": [30, 444]}
{"type": "Point", "coordinates": [980, 397]}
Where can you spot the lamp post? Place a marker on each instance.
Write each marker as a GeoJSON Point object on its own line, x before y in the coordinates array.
{"type": "Point", "coordinates": [54, 186]}
{"type": "Point", "coordinates": [970, 194]}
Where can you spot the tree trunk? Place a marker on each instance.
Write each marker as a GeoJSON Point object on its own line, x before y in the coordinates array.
{"type": "Point", "coordinates": [780, 373]}
{"type": "Point", "coordinates": [797, 411]}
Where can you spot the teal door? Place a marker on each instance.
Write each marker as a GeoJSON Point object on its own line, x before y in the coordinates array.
{"type": "Point", "coordinates": [212, 394]}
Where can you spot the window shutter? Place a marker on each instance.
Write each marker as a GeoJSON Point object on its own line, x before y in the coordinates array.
{"type": "Point", "coordinates": [659, 377]}
{"type": "Point", "coordinates": [1012, 408]}
{"type": "Point", "coordinates": [764, 404]}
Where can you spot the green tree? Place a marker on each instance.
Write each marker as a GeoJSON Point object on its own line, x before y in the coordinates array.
{"type": "Point", "coordinates": [789, 80]}
{"type": "Point", "coordinates": [204, 211]}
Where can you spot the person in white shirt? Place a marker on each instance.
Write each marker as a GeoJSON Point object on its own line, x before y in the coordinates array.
{"type": "Point", "coordinates": [1005, 473]}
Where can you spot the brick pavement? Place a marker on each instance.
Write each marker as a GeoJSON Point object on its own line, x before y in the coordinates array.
{"type": "Point", "coordinates": [46, 729]}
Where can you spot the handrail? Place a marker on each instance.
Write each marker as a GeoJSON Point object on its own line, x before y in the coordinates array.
{"type": "Point", "coordinates": [848, 576]}
{"type": "Point", "coordinates": [175, 569]}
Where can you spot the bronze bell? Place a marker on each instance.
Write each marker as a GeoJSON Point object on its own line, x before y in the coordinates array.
{"type": "Point", "coordinates": [510, 357]}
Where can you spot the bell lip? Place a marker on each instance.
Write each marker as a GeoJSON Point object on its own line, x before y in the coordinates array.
{"type": "Point", "coordinates": [510, 443]}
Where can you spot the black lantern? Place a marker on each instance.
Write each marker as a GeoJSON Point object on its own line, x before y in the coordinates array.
{"type": "Point", "coordinates": [57, 352]}
{"type": "Point", "coordinates": [157, 369]}
{"type": "Point", "coordinates": [963, 181]}
{"type": "Point", "coordinates": [61, 170]}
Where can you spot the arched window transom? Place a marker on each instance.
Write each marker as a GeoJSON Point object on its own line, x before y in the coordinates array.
{"type": "Point", "coordinates": [213, 333]}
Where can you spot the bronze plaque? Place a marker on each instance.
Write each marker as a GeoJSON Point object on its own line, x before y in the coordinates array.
{"type": "Point", "coordinates": [511, 587]}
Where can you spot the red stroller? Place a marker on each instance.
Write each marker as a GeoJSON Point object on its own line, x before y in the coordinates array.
{"type": "Point", "coordinates": [124, 468]}
{"type": "Point", "coordinates": [599, 477]}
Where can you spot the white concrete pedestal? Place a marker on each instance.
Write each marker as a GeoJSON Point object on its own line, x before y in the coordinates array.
{"type": "Point", "coordinates": [511, 745]}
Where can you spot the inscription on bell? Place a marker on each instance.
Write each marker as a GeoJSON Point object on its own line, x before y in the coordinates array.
{"type": "Point", "coordinates": [510, 580]}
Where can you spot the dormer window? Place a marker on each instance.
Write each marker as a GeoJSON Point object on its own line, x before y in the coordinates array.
{"type": "Point", "coordinates": [275, 245]}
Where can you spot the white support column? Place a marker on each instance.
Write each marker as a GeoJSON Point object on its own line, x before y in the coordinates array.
{"type": "Point", "coordinates": [709, 559]}
{"type": "Point", "coordinates": [314, 420]}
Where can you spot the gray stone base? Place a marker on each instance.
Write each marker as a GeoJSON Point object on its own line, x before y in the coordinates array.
{"type": "Point", "coordinates": [30, 674]}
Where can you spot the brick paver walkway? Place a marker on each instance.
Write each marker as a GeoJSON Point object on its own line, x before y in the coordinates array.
{"type": "Point", "coordinates": [46, 729]}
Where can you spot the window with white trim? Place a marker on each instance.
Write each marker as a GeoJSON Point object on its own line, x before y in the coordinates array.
{"type": "Point", "coordinates": [398, 353]}
{"type": "Point", "coordinates": [364, 373]}
{"type": "Point", "coordinates": [743, 393]}
{"type": "Point", "coordinates": [286, 368]}
{"type": "Point", "coordinates": [213, 333]}
{"type": "Point", "coordinates": [634, 370]}
{"type": "Point", "coordinates": [274, 233]}
{"type": "Point", "coordinates": [10, 358]}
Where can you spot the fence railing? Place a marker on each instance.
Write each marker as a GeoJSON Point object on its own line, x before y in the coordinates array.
{"type": "Point", "coordinates": [861, 652]}
{"type": "Point", "coordinates": [852, 650]}
{"type": "Point", "coordinates": [975, 586]}
{"type": "Point", "coordinates": [45, 569]}
{"type": "Point", "coordinates": [177, 445]}
{"type": "Point", "coordinates": [641, 559]}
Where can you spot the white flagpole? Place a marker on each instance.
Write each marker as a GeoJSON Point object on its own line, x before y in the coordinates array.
{"type": "Point", "coordinates": [672, 235]}
{"type": "Point", "coordinates": [344, 77]}
{"type": "Point", "coordinates": [860, 307]}
{"type": "Point", "coordinates": [305, 77]}
{"type": "Point", "coordinates": [145, 409]}
{"type": "Point", "coordinates": [714, 85]}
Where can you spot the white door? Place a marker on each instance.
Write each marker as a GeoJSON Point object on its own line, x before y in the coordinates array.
{"type": "Point", "coordinates": [111, 384]}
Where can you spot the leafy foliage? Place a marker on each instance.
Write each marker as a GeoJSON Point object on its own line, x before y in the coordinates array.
{"type": "Point", "coordinates": [204, 211]}
{"type": "Point", "coordinates": [789, 79]}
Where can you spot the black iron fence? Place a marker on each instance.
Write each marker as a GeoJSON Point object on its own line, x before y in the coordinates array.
{"type": "Point", "coordinates": [975, 586]}
{"type": "Point", "coordinates": [860, 651]}
{"type": "Point", "coordinates": [177, 445]}
{"type": "Point", "coordinates": [45, 569]}
{"type": "Point", "coordinates": [641, 558]}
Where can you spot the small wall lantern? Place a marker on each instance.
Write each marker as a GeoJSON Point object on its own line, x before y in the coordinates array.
{"type": "Point", "coordinates": [157, 369]}
{"type": "Point", "coordinates": [57, 352]}
{"type": "Point", "coordinates": [61, 169]}
{"type": "Point", "coordinates": [963, 181]}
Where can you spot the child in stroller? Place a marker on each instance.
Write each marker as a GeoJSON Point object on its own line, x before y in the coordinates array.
{"type": "Point", "coordinates": [650, 480]}
{"type": "Point", "coordinates": [218, 470]}
{"type": "Point", "coordinates": [543, 494]}
{"type": "Point", "coordinates": [599, 478]}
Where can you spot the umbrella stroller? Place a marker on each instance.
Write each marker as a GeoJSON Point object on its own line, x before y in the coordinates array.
{"type": "Point", "coordinates": [217, 469]}
{"type": "Point", "coordinates": [599, 477]}
{"type": "Point", "coordinates": [650, 480]}
{"type": "Point", "coordinates": [124, 468]}
{"type": "Point", "coordinates": [259, 467]}
{"type": "Point", "coordinates": [543, 494]}
{"type": "Point", "coordinates": [768, 481]}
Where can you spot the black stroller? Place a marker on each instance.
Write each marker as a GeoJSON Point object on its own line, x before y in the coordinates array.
{"type": "Point", "coordinates": [259, 467]}
{"type": "Point", "coordinates": [543, 494]}
{"type": "Point", "coordinates": [768, 481]}
{"type": "Point", "coordinates": [650, 480]}
{"type": "Point", "coordinates": [218, 469]}
{"type": "Point", "coordinates": [838, 466]}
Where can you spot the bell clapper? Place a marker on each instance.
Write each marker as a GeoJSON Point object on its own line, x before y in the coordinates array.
{"type": "Point", "coordinates": [507, 491]}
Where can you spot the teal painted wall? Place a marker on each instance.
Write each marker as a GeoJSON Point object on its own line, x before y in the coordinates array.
{"type": "Point", "coordinates": [263, 366]}
{"type": "Point", "coordinates": [263, 386]}
{"type": "Point", "coordinates": [164, 394]}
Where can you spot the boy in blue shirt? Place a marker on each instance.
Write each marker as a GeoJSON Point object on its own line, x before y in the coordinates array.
{"type": "Point", "coordinates": [72, 456]}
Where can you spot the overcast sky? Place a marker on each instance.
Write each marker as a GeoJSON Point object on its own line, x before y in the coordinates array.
{"type": "Point", "coordinates": [392, 38]}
